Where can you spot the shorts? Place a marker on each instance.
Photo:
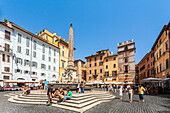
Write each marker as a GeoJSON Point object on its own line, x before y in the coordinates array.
{"type": "Point", "coordinates": [45, 87]}
{"type": "Point", "coordinates": [141, 96]}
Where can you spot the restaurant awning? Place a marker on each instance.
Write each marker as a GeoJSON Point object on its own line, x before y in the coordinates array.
{"type": "Point", "coordinates": [19, 81]}
{"type": "Point", "coordinates": [153, 80]}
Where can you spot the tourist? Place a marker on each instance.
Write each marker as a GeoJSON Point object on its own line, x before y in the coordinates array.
{"type": "Point", "coordinates": [68, 95]}
{"type": "Point", "coordinates": [54, 93]}
{"type": "Point", "coordinates": [78, 88]}
{"type": "Point", "coordinates": [60, 93]}
{"type": "Point", "coordinates": [82, 87]}
{"type": "Point", "coordinates": [45, 85]}
{"type": "Point", "coordinates": [110, 89]}
{"type": "Point", "coordinates": [131, 93]}
{"type": "Point", "coordinates": [49, 93]}
{"type": "Point", "coordinates": [114, 88]}
{"type": "Point", "coordinates": [141, 91]}
{"type": "Point", "coordinates": [26, 90]}
{"type": "Point", "coordinates": [121, 92]}
{"type": "Point", "coordinates": [104, 86]}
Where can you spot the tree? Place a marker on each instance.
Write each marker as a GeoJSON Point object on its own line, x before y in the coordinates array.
{"type": "Point", "coordinates": [5, 20]}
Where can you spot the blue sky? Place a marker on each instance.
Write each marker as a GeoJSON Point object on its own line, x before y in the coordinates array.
{"type": "Point", "coordinates": [97, 24]}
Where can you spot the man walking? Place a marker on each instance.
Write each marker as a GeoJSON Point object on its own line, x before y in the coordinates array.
{"type": "Point", "coordinates": [45, 85]}
{"type": "Point", "coordinates": [141, 91]}
{"type": "Point", "coordinates": [49, 93]}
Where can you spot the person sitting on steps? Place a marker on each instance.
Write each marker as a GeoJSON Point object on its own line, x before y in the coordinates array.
{"type": "Point", "coordinates": [68, 95]}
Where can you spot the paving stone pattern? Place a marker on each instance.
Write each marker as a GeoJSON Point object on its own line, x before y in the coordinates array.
{"type": "Point", "coordinates": [153, 104]}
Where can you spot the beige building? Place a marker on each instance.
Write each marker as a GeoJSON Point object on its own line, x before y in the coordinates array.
{"type": "Point", "coordinates": [81, 69]}
{"type": "Point", "coordinates": [161, 50]}
{"type": "Point", "coordinates": [62, 44]}
{"type": "Point", "coordinates": [95, 69]}
{"type": "Point", "coordinates": [126, 61]}
{"type": "Point", "coordinates": [111, 69]}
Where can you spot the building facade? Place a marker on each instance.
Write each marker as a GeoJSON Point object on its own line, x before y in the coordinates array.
{"type": "Point", "coordinates": [95, 69]}
{"type": "Point", "coordinates": [111, 68]}
{"type": "Point", "coordinates": [161, 50]}
{"type": "Point", "coordinates": [60, 43]}
{"type": "Point", "coordinates": [126, 61]}
{"type": "Point", "coordinates": [146, 67]}
{"type": "Point", "coordinates": [81, 69]}
{"type": "Point", "coordinates": [26, 56]}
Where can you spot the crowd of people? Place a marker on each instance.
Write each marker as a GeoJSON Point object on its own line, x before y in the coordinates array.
{"type": "Point", "coordinates": [126, 89]}
{"type": "Point", "coordinates": [62, 95]}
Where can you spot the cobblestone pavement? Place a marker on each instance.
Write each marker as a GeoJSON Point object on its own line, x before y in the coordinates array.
{"type": "Point", "coordinates": [152, 104]}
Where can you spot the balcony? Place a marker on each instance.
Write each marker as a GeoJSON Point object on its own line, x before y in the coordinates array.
{"type": "Point", "coordinates": [5, 50]}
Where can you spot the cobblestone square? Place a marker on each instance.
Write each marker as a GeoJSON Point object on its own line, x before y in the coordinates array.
{"type": "Point", "coordinates": [152, 104]}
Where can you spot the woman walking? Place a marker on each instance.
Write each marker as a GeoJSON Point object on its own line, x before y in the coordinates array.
{"type": "Point", "coordinates": [121, 92]}
{"type": "Point", "coordinates": [131, 94]}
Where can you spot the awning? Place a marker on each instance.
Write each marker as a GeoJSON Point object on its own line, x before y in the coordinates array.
{"type": "Point", "coordinates": [19, 81]}
{"type": "Point", "coordinates": [152, 80]}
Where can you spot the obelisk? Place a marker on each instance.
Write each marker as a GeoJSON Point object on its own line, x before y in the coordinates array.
{"type": "Point", "coordinates": [70, 46]}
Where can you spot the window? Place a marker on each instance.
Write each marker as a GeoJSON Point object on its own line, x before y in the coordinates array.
{"type": "Point", "coordinates": [147, 59]}
{"type": "Point", "coordinates": [100, 70]}
{"type": "Point", "coordinates": [126, 60]}
{"type": "Point", "coordinates": [34, 64]}
{"type": "Point", "coordinates": [114, 79]}
{"type": "Point", "coordinates": [114, 65]}
{"type": "Point", "coordinates": [157, 70]}
{"type": "Point", "coordinates": [106, 66]}
{"type": "Point", "coordinates": [19, 61]}
{"type": "Point", "coordinates": [27, 42]}
{"type": "Point", "coordinates": [166, 45]}
{"type": "Point", "coordinates": [54, 60]}
{"type": "Point", "coordinates": [54, 52]}
{"type": "Point", "coordinates": [3, 57]}
{"type": "Point", "coordinates": [148, 73]}
{"type": "Point", "coordinates": [95, 71]}
{"type": "Point", "coordinates": [95, 59]}
{"type": "Point", "coordinates": [34, 54]}
{"type": "Point", "coordinates": [160, 53]}
{"type": "Point", "coordinates": [106, 73]}
{"type": "Point", "coordinates": [43, 74]}
{"type": "Point", "coordinates": [49, 67]}
{"type": "Point", "coordinates": [95, 64]}
{"type": "Point", "coordinates": [101, 57]}
{"type": "Point", "coordinates": [62, 64]}
{"type": "Point", "coordinates": [62, 74]}
{"type": "Point", "coordinates": [27, 51]}
{"type": "Point", "coordinates": [19, 38]}
{"type": "Point", "coordinates": [126, 48]}
{"type": "Point", "coordinates": [160, 42]}
{"type": "Point", "coordinates": [43, 66]}
{"type": "Point", "coordinates": [34, 73]}
{"type": "Point", "coordinates": [101, 77]}
{"type": "Point", "coordinates": [26, 72]}
{"type": "Point", "coordinates": [6, 77]}
{"type": "Point", "coordinates": [114, 58]}
{"type": "Point", "coordinates": [114, 73]}
{"type": "Point", "coordinates": [7, 35]}
{"type": "Point", "coordinates": [50, 50]}
{"type": "Point", "coordinates": [126, 69]}
{"type": "Point", "coordinates": [89, 78]}
{"type": "Point", "coordinates": [157, 56]}
{"type": "Point", "coordinates": [90, 71]}
{"type": "Point", "coordinates": [54, 76]}
{"type": "Point", "coordinates": [6, 69]}
{"type": "Point", "coordinates": [54, 69]}
{"type": "Point", "coordinates": [26, 62]}
{"type": "Point", "coordinates": [43, 57]}
{"type": "Point", "coordinates": [34, 45]}
{"type": "Point", "coordinates": [62, 47]}
{"type": "Point", "coordinates": [7, 47]}
{"type": "Point", "coordinates": [43, 48]}
{"type": "Point", "coordinates": [100, 63]}
{"type": "Point", "coordinates": [75, 64]}
{"type": "Point", "coordinates": [90, 65]}
{"type": "Point", "coordinates": [148, 66]}
{"type": "Point", "coordinates": [8, 58]}
{"type": "Point", "coordinates": [160, 65]}
{"type": "Point", "coordinates": [49, 59]}
{"type": "Point", "coordinates": [106, 60]}
{"type": "Point", "coordinates": [18, 71]}
{"type": "Point", "coordinates": [19, 49]}
{"type": "Point", "coordinates": [53, 40]}
{"type": "Point", "coordinates": [90, 59]}
{"type": "Point", "coordinates": [62, 53]}
{"type": "Point", "coordinates": [46, 37]}
{"type": "Point", "coordinates": [167, 64]}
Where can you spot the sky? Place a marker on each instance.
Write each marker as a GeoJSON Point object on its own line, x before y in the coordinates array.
{"type": "Point", "coordinates": [97, 24]}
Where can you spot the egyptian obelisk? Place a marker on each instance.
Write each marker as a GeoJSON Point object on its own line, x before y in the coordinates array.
{"type": "Point", "coordinates": [70, 71]}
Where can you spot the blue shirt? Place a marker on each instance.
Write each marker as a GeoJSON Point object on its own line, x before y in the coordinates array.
{"type": "Point", "coordinates": [46, 83]}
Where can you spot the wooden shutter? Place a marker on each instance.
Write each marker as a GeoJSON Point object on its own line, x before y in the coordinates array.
{"type": "Point", "coordinates": [7, 35]}
{"type": "Point", "coordinates": [3, 57]}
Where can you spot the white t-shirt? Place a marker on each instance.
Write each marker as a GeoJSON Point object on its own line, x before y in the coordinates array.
{"type": "Point", "coordinates": [120, 92]}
